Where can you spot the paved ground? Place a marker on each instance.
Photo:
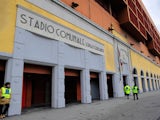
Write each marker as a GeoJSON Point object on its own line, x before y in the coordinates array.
{"type": "Point", "coordinates": [146, 108]}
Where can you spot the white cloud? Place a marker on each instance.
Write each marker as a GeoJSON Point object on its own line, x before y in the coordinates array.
{"type": "Point", "coordinates": [153, 7]}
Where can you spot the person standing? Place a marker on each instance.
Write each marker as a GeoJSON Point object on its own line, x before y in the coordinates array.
{"type": "Point", "coordinates": [5, 94]}
{"type": "Point", "coordinates": [135, 91]}
{"type": "Point", "coordinates": [127, 90]}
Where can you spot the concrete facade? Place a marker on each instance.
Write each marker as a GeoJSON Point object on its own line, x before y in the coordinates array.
{"type": "Point", "coordinates": [32, 48]}
{"type": "Point", "coordinates": [36, 47]}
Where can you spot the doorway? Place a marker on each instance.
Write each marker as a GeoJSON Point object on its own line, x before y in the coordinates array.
{"type": "Point", "coordinates": [36, 86]}
{"type": "Point", "coordinates": [110, 85]}
{"type": "Point", "coordinates": [156, 87]}
{"type": "Point", "coordinates": [125, 80]}
{"type": "Point", "coordinates": [143, 84]}
{"type": "Point", "coordinates": [2, 72]}
{"type": "Point", "coordinates": [94, 81]}
{"type": "Point", "coordinates": [149, 86]}
{"type": "Point", "coordinates": [72, 86]}
{"type": "Point", "coordinates": [136, 80]}
{"type": "Point", "coordinates": [153, 85]}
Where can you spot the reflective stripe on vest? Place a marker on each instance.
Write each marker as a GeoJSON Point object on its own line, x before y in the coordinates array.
{"type": "Point", "coordinates": [6, 92]}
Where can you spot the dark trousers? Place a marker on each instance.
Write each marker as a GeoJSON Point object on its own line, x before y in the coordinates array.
{"type": "Point", "coordinates": [127, 96]}
{"type": "Point", "coordinates": [4, 109]}
{"type": "Point", "coordinates": [135, 95]}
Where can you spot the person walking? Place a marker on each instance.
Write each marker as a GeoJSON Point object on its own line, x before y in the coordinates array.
{"type": "Point", "coordinates": [135, 91]}
{"type": "Point", "coordinates": [127, 90]}
{"type": "Point", "coordinates": [5, 96]}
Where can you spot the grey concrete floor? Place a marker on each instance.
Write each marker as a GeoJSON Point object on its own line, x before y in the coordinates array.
{"type": "Point", "coordinates": [146, 108]}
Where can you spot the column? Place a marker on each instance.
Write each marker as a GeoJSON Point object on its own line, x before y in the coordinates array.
{"type": "Point", "coordinates": [14, 75]}
{"type": "Point", "coordinates": [140, 84]}
{"type": "Point", "coordinates": [103, 86]}
{"type": "Point", "coordinates": [58, 88]}
{"type": "Point", "coordinates": [118, 85]}
{"type": "Point", "coordinates": [85, 86]}
{"type": "Point", "coordinates": [149, 83]}
{"type": "Point", "coordinates": [130, 80]}
{"type": "Point", "coordinates": [146, 84]}
{"type": "Point", "coordinates": [58, 100]}
{"type": "Point", "coordinates": [152, 83]}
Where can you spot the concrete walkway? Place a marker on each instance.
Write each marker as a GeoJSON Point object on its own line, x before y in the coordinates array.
{"type": "Point", "coordinates": [146, 108]}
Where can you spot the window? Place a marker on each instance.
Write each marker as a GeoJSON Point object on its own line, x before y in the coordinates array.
{"type": "Point", "coordinates": [105, 4]}
{"type": "Point", "coordinates": [114, 7]}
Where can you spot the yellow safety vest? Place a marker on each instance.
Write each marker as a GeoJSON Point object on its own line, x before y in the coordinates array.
{"type": "Point", "coordinates": [6, 92]}
{"type": "Point", "coordinates": [135, 89]}
{"type": "Point", "coordinates": [127, 89]}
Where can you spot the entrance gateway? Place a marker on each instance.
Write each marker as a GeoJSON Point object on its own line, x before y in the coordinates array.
{"type": "Point", "coordinates": [52, 50]}
{"type": "Point", "coordinates": [148, 83]}
{"type": "Point", "coordinates": [110, 85]}
{"type": "Point", "coordinates": [72, 86]}
{"type": "Point", "coordinates": [36, 86]}
{"type": "Point", "coordinates": [2, 72]}
{"type": "Point", "coordinates": [95, 90]}
{"type": "Point", "coordinates": [124, 80]}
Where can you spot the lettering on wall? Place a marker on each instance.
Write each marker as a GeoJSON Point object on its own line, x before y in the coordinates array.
{"type": "Point", "coordinates": [50, 29]}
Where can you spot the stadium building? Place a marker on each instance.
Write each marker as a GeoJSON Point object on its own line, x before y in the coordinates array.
{"type": "Point", "coordinates": [57, 52]}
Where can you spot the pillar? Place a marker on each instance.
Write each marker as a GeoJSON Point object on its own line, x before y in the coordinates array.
{"type": "Point", "coordinates": [58, 100]}
{"type": "Point", "coordinates": [85, 86]}
{"type": "Point", "coordinates": [58, 88]}
{"type": "Point", "coordinates": [14, 75]}
{"type": "Point", "coordinates": [103, 86]}
{"type": "Point", "coordinates": [118, 85]}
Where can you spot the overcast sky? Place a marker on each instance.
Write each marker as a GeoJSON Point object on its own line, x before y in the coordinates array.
{"type": "Point", "coordinates": [153, 7]}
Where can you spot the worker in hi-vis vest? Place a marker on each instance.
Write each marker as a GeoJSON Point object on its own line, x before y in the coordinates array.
{"type": "Point", "coordinates": [127, 90]}
{"type": "Point", "coordinates": [5, 97]}
{"type": "Point", "coordinates": [135, 90]}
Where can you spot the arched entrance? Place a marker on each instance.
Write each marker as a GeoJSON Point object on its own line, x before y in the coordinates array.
{"type": "Point", "coordinates": [155, 82]}
{"type": "Point", "coordinates": [158, 84]}
{"type": "Point", "coordinates": [135, 77]}
{"type": "Point", "coordinates": [148, 81]}
{"type": "Point", "coordinates": [143, 82]}
{"type": "Point", "coordinates": [152, 82]}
